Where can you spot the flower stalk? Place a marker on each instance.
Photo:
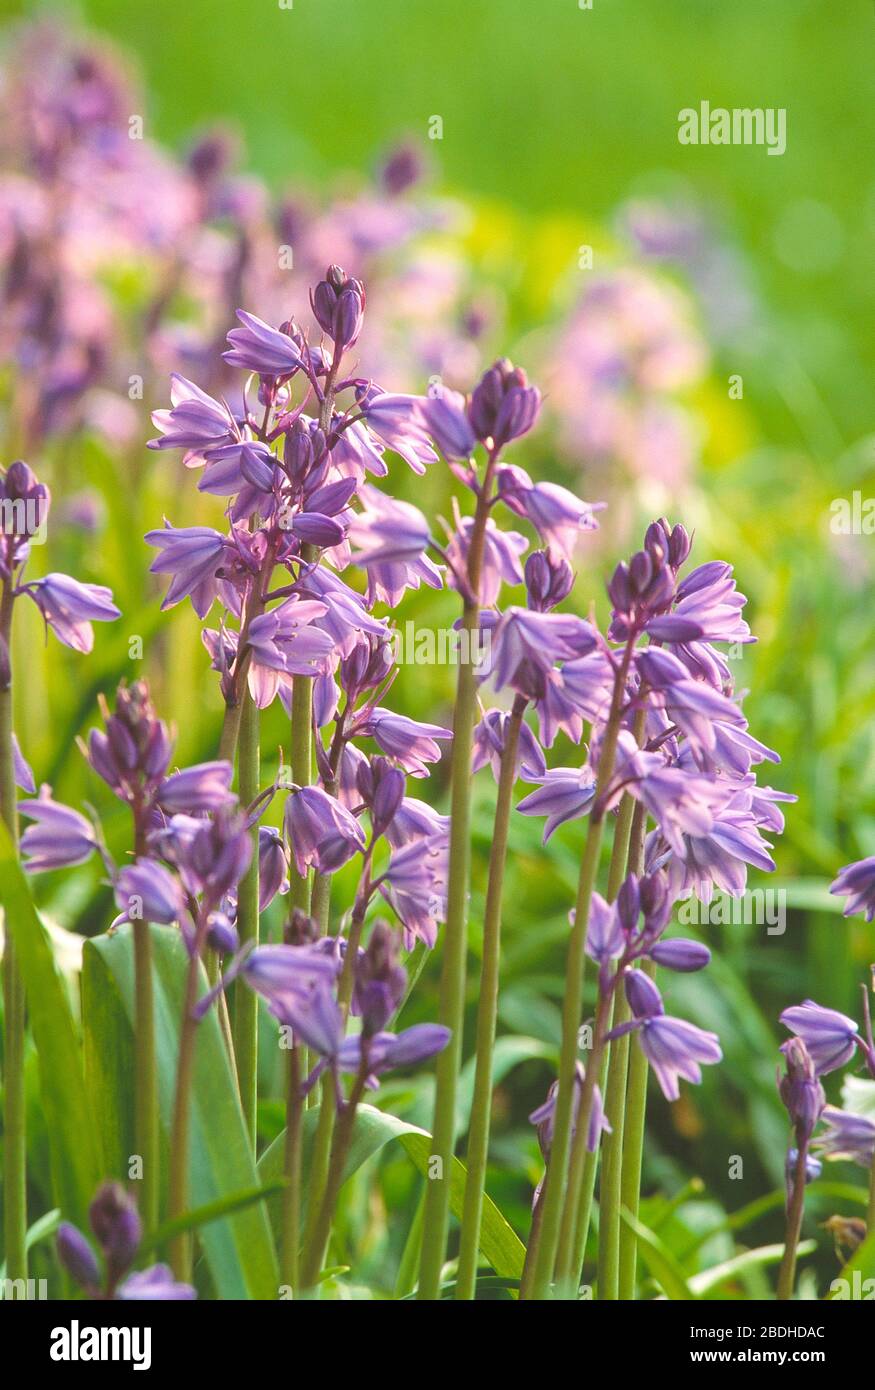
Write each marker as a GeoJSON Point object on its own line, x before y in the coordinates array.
{"type": "Point", "coordinates": [487, 1013]}
{"type": "Point", "coordinates": [452, 986]}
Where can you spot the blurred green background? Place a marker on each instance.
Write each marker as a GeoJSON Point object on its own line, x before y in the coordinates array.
{"type": "Point", "coordinates": [554, 117]}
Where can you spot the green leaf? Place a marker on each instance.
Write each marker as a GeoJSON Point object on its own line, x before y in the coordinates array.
{"type": "Point", "coordinates": [41, 1229]}
{"type": "Point", "coordinates": [212, 1211]}
{"type": "Point", "coordinates": [238, 1248]}
{"type": "Point", "coordinates": [373, 1130]}
{"type": "Point", "coordinates": [69, 1118]}
{"type": "Point", "coordinates": [659, 1260]}
{"type": "Point", "coordinates": [704, 1285]}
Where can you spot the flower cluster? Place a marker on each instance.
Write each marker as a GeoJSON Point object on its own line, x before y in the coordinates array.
{"type": "Point", "coordinates": [118, 1231]}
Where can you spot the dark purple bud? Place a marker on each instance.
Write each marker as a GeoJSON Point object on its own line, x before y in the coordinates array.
{"type": "Point", "coordinates": [273, 866]}
{"type": "Point", "coordinates": [629, 903]}
{"type": "Point", "coordinates": [800, 1090]}
{"type": "Point", "coordinates": [679, 547]}
{"type": "Point", "coordinates": [222, 934]}
{"type": "Point", "coordinates": [656, 540]}
{"type": "Point", "coordinates": [116, 1224]}
{"type": "Point", "coordinates": [681, 954]}
{"type": "Point", "coordinates": [641, 569]}
{"type": "Point", "coordinates": [77, 1256]}
{"type": "Point", "coordinates": [380, 979]}
{"type": "Point", "coordinates": [300, 929]}
{"type": "Point", "coordinates": [548, 580]}
{"type": "Point", "coordinates": [503, 406]}
{"type": "Point", "coordinates": [388, 793]}
{"type": "Point", "coordinates": [644, 998]}
{"type": "Point", "coordinates": [620, 588]}
{"type": "Point", "coordinates": [403, 168]}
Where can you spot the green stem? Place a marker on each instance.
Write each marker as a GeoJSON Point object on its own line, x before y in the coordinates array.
{"type": "Point", "coordinates": [245, 1027]}
{"type": "Point", "coordinates": [145, 1076]}
{"type": "Point", "coordinates": [572, 1247]}
{"type": "Point", "coordinates": [541, 1252]}
{"type": "Point", "coordinates": [291, 1220]}
{"type": "Point", "coordinates": [14, 1132]}
{"type": "Point", "coordinates": [315, 1254]}
{"type": "Point", "coordinates": [636, 1108]}
{"type": "Point", "coordinates": [180, 1131]}
{"type": "Point", "coordinates": [487, 1013]}
{"type": "Point", "coordinates": [451, 1007]}
{"type": "Point", "coordinates": [612, 1158]}
{"type": "Point", "coordinates": [787, 1272]}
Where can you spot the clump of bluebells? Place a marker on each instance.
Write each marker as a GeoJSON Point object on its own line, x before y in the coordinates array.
{"type": "Point", "coordinates": [824, 1041]}
{"type": "Point", "coordinates": [296, 586]}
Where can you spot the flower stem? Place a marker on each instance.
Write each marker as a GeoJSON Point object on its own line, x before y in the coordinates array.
{"type": "Point", "coordinates": [795, 1210]}
{"type": "Point", "coordinates": [541, 1253]}
{"type": "Point", "coordinates": [14, 1133]}
{"type": "Point", "coordinates": [146, 1123]}
{"type": "Point", "coordinates": [291, 1221]}
{"type": "Point", "coordinates": [636, 1106]}
{"type": "Point", "coordinates": [487, 1012]}
{"type": "Point", "coordinates": [585, 1161]}
{"type": "Point", "coordinates": [246, 1000]}
{"type": "Point", "coordinates": [451, 1006]}
{"type": "Point", "coordinates": [180, 1132]}
{"type": "Point", "coordinates": [340, 1148]}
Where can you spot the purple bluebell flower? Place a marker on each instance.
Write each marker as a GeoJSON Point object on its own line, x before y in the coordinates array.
{"type": "Point", "coordinates": [338, 304]}
{"type": "Point", "coordinates": [192, 555]}
{"type": "Point", "coordinates": [679, 953]}
{"type": "Point", "coordinates": [605, 939]}
{"type": "Point", "coordinates": [414, 885]}
{"type": "Point", "coordinates": [273, 866]}
{"type": "Point", "coordinates": [544, 1116]}
{"type": "Point", "coordinates": [501, 557]}
{"type": "Point", "coordinates": [195, 422]}
{"type": "Point", "coordinates": [154, 1285]}
{"type": "Point", "coordinates": [278, 972]}
{"type": "Point", "coordinates": [24, 778]}
{"type": "Point", "coordinates": [411, 743]}
{"type": "Point", "coordinates": [525, 645]}
{"type": "Point", "coordinates": [118, 1230]}
{"type": "Point", "coordinates": [847, 1136]}
{"type": "Point", "coordinates": [503, 405]}
{"type": "Point", "coordinates": [203, 787]}
{"type": "Point", "coordinates": [556, 514]}
{"type": "Point", "coordinates": [211, 855]}
{"type": "Point", "coordinates": [675, 1048]}
{"type": "Point", "coordinates": [643, 997]}
{"type": "Point", "coordinates": [446, 420]}
{"type": "Point", "coordinates": [388, 532]}
{"type": "Point", "coordinates": [708, 598]}
{"type": "Point", "coordinates": [320, 831]}
{"type": "Point", "coordinates": [147, 892]}
{"type": "Point", "coordinates": [69, 608]}
{"type": "Point", "coordinates": [549, 580]}
{"type": "Point", "coordinates": [397, 421]}
{"type": "Point", "coordinates": [287, 639]}
{"type": "Point", "coordinates": [856, 882]}
{"type": "Point", "coordinates": [380, 979]}
{"type": "Point", "coordinates": [77, 1256]}
{"type": "Point", "coordinates": [800, 1090]}
{"type": "Point", "coordinates": [60, 837]}
{"type": "Point", "coordinates": [260, 348]}
{"type": "Point", "coordinates": [415, 820]}
{"type": "Point", "coordinates": [391, 1051]}
{"type": "Point", "coordinates": [830, 1037]}
{"type": "Point", "coordinates": [566, 793]}
{"type": "Point", "coordinates": [489, 740]}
